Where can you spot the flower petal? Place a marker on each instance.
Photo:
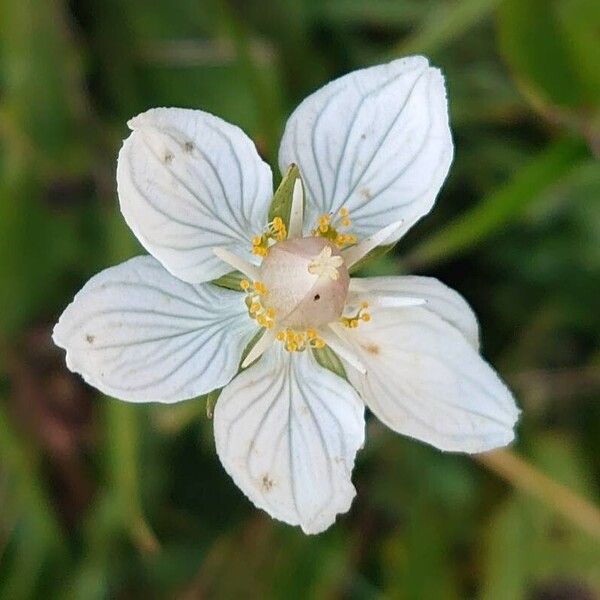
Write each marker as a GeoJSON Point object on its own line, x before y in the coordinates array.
{"type": "Point", "coordinates": [287, 431]}
{"type": "Point", "coordinates": [425, 380]}
{"type": "Point", "coordinates": [375, 141]}
{"type": "Point", "coordinates": [439, 299]}
{"type": "Point", "coordinates": [188, 182]}
{"type": "Point", "coordinates": [137, 333]}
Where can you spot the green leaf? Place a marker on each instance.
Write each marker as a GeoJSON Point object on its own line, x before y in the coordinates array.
{"type": "Point", "coordinates": [529, 544]}
{"type": "Point", "coordinates": [501, 207]}
{"type": "Point", "coordinates": [328, 359]}
{"type": "Point", "coordinates": [580, 23]}
{"type": "Point", "coordinates": [281, 204]}
{"type": "Point", "coordinates": [372, 257]}
{"type": "Point", "coordinates": [557, 70]}
{"type": "Point", "coordinates": [230, 281]}
{"type": "Point", "coordinates": [445, 25]}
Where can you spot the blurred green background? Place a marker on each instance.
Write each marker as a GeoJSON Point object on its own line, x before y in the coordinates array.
{"type": "Point", "coordinates": [99, 499]}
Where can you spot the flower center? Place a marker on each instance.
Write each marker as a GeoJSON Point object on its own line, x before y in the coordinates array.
{"type": "Point", "coordinates": [306, 283]}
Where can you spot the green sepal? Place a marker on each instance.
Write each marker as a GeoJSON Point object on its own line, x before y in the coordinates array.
{"type": "Point", "coordinates": [329, 360]}
{"type": "Point", "coordinates": [211, 399]}
{"type": "Point", "coordinates": [231, 281]}
{"type": "Point", "coordinates": [376, 253]}
{"type": "Point", "coordinates": [281, 205]}
{"type": "Point", "coordinates": [249, 347]}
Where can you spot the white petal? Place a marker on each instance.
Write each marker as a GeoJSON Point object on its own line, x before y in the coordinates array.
{"type": "Point", "coordinates": [376, 141]}
{"type": "Point", "coordinates": [439, 299]}
{"type": "Point", "coordinates": [139, 334]}
{"type": "Point", "coordinates": [333, 336]}
{"type": "Point", "coordinates": [425, 380]}
{"type": "Point", "coordinates": [188, 182]}
{"type": "Point", "coordinates": [287, 431]}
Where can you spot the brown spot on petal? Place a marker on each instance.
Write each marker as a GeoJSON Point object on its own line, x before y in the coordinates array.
{"type": "Point", "coordinates": [267, 483]}
{"type": "Point", "coordinates": [371, 348]}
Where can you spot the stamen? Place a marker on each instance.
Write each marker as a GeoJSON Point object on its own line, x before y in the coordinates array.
{"type": "Point", "coordinates": [265, 317]}
{"type": "Point", "coordinates": [396, 301]}
{"type": "Point", "coordinates": [327, 229]}
{"type": "Point", "coordinates": [337, 341]}
{"type": "Point", "coordinates": [378, 299]}
{"type": "Point", "coordinates": [353, 321]}
{"type": "Point", "coordinates": [275, 231]}
{"type": "Point", "coordinates": [236, 262]}
{"type": "Point", "coordinates": [354, 254]}
{"type": "Point", "coordinates": [263, 344]}
{"type": "Point", "coordinates": [298, 341]}
{"type": "Point", "coordinates": [297, 211]}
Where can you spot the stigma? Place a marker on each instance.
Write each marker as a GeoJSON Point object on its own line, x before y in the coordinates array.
{"type": "Point", "coordinates": [307, 282]}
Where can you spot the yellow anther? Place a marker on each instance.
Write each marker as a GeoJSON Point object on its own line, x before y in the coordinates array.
{"type": "Point", "coordinates": [344, 212]}
{"type": "Point", "coordinates": [254, 308]}
{"type": "Point", "coordinates": [277, 223]}
{"type": "Point", "coordinates": [353, 321]}
{"type": "Point", "coordinates": [298, 341]}
{"type": "Point", "coordinates": [244, 284]}
{"type": "Point", "coordinates": [260, 251]}
{"type": "Point", "coordinates": [346, 222]}
{"type": "Point", "coordinates": [271, 313]}
{"type": "Point", "coordinates": [260, 288]}
{"type": "Point", "coordinates": [257, 240]}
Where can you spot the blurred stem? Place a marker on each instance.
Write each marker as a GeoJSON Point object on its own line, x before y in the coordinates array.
{"type": "Point", "coordinates": [448, 22]}
{"type": "Point", "coordinates": [39, 535]}
{"type": "Point", "coordinates": [270, 114]}
{"type": "Point", "coordinates": [501, 207]}
{"type": "Point", "coordinates": [122, 428]}
{"type": "Point", "coordinates": [526, 478]}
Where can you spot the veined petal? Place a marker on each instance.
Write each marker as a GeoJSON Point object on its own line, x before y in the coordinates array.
{"type": "Point", "coordinates": [137, 333]}
{"type": "Point", "coordinates": [439, 299]}
{"type": "Point", "coordinates": [287, 431]}
{"type": "Point", "coordinates": [189, 182]}
{"type": "Point", "coordinates": [425, 380]}
{"type": "Point", "coordinates": [375, 141]}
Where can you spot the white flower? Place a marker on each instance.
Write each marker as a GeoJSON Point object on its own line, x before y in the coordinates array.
{"type": "Point", "coordinates": [373, 146]}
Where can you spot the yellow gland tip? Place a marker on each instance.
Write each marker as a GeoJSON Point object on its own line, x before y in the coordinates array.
{"type": "Point", "coordinates": [327, 229]}
{"type": "Point", "coordinates": [265, 317]}
{"type": "Point", "coordinates": [353, 321]}
{"type": "Point", "coordinates": [298, 341]}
